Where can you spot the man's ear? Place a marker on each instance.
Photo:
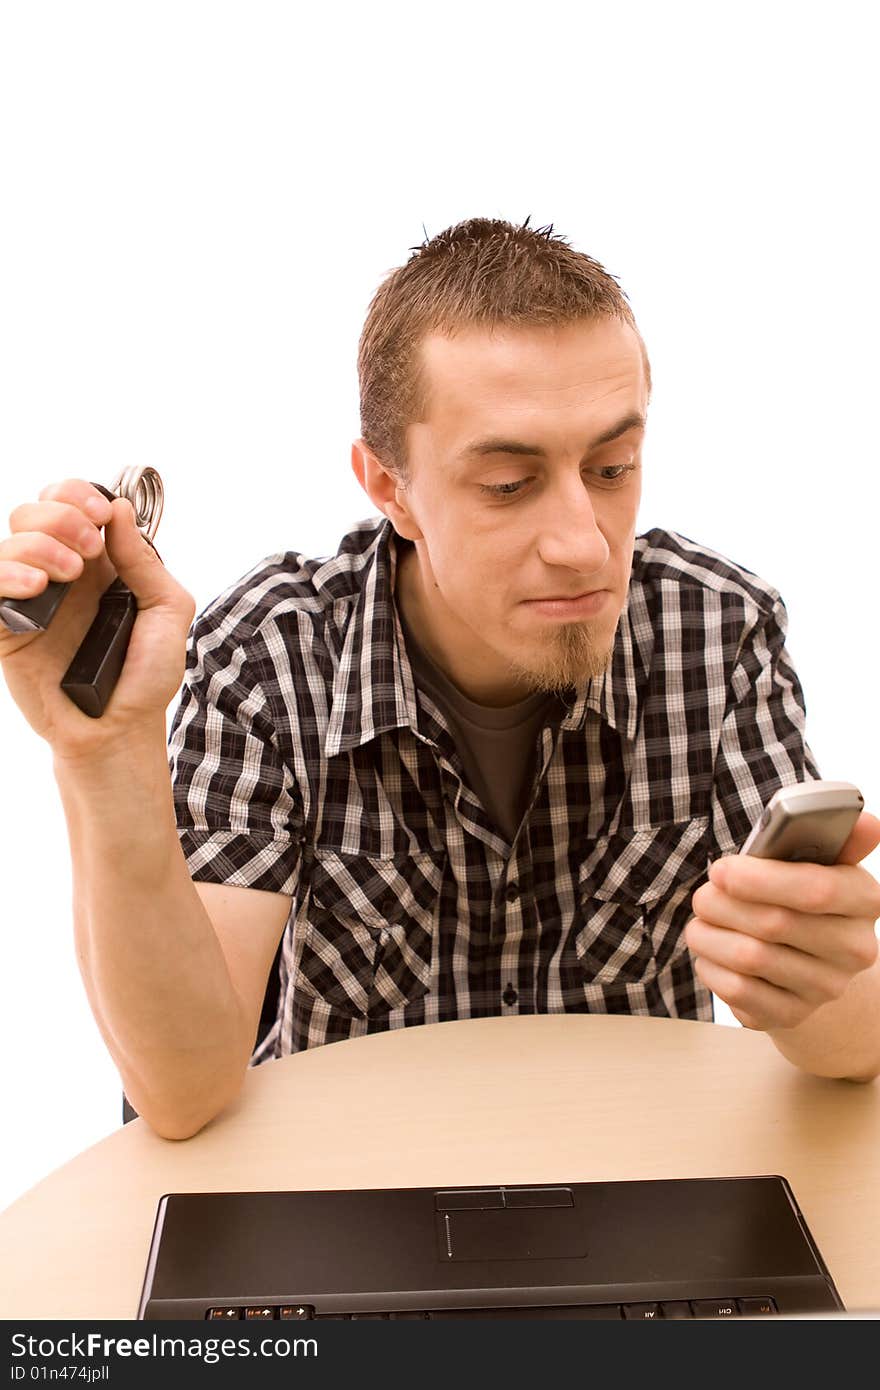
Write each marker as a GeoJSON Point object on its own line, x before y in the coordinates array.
{"type": "Point", "coordinates": [384, 490]}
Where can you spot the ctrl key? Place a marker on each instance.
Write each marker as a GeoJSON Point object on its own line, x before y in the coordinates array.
{"type": "Point", "coordinates": [715, 1308]}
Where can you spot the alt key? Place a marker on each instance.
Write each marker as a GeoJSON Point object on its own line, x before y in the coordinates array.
{"type": "Point", "coordinates": [646, 1312]}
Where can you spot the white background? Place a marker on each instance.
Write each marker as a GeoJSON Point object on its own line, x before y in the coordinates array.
{"type": "Point", "coordinates": [199, 201]}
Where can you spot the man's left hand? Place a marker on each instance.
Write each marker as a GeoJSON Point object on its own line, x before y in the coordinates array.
{"type": "Point", "coordinates": [777, 940]}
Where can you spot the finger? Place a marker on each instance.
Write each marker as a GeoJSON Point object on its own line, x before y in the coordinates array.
{"type": "Point", "coordinates": [42, 552]}
{"type": "Point", "coordinates": [809, 977]}
{"type": "Point", "coordinates": [18, 580]}
{"type": "Point", "coordinates": [845, 942]}
{"type": "Point", "coordinates": [65, 522]}
{"type": "Point", "coordinates": [863, 841]}
{"type": "Point", "coordinates": [135, 560]}
{"type": "Point", "coordinates": [80, 494]}
{"type": "Point", "coordinates": [846, 890]}
{"type": "Point", "coordinates": [755, 1003]}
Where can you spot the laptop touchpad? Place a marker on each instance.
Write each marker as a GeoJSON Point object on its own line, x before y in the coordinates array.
{"type": "Point", "coordinates": [540, 1233]}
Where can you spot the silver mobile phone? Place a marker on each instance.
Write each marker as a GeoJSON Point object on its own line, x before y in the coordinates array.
{"type": "Point", "coordinates": [810, 822]}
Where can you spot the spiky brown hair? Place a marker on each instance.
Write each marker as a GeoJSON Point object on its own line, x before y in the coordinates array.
{"type": "Point", "coordinates": [483, 272]}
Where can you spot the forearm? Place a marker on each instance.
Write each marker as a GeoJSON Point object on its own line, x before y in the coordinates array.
{"type": "Point", "coordinates": [151, 962]}
{"type": "Point", "coordinates": [842, 1038]}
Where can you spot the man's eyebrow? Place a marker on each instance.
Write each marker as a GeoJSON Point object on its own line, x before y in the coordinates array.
{"type": "Point", "coordinates": [478, 447]}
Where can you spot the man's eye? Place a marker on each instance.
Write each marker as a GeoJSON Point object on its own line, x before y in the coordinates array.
{"type": "Point", "coordinates": [501, 489]}
{"type": "Point", "coordinates": [613, 473]}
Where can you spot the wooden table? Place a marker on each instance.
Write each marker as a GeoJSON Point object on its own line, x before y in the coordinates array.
{"type": "Point", "coordinates": [554, 1098]}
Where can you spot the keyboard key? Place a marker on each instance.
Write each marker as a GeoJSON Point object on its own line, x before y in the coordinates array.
{"type": "Point", "coordinates": [756, 1307]}
{"type": "Point", "coordinates": [261, 1313]}
{"type": "Point", "coordinates": [359, 1317]}
{"type": "Point", "coordinates": [593, 1311]}
{"type": "Point", "coordinates": [677, 1308]}
{"type": "Point", "coordinates": [642, 1311]}
{"type": "Point", "coordinates": [296, 1312]}
{"type": "Point", "coordinates": [715, 1308]}
{"type": "Point", "coordinates": [224, 1313]}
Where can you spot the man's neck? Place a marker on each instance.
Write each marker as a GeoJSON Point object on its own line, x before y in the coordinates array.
{"type": "Point", "coordinates": [468, 671]}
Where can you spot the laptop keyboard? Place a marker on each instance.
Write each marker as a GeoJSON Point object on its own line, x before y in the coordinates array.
{"type": "Point", "coordinates": [647, 1250]}
{"type": "Point", "coordinates": [645, 1312]}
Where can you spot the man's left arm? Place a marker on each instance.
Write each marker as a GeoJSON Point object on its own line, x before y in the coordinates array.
{"type": "Point", "coordinates": [792, 950]}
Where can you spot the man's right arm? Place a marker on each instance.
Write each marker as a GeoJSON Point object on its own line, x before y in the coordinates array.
{"type": "Point", "coordinates": [175, 971]}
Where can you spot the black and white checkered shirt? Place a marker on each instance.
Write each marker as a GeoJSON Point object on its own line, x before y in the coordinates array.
{"type": "Point", "coordinates": [305, 762]}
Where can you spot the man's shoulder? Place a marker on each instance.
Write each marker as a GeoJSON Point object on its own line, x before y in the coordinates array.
{"type": "Point", "coordinates": [666, 559]}
{"type": "Point", "coordinates": [283, 587]}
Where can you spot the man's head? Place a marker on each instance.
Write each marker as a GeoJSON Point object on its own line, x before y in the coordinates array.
{"type": "Point", "coordinates": [497, 333]}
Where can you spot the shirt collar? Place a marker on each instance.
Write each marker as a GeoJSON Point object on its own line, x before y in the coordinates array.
{"type": "Point", "coordinates": [374, 690]}
{"type": "Point", "coordinates": [613, 695]}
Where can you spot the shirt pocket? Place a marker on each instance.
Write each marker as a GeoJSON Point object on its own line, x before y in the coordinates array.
{"type": "Point", "coordinates": [365, 940]}
{"type": "Point", "coordinates": [633, 899]}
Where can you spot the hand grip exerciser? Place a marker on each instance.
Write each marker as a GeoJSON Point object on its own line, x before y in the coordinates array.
{"type": "Point", "coordinates": [91, 677]}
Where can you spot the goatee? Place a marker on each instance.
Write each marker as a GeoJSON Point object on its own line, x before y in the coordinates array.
{"type": "Point", "coordinates": [572, 657]}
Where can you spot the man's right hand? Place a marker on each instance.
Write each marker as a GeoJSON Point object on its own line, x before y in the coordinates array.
{"type": "Point", "coordinates": [59, 538]}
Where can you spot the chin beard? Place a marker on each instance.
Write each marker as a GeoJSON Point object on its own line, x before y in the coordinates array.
{"type": "Point", "coordinates": [572, 657]}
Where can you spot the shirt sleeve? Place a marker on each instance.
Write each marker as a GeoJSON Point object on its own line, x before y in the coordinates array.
{"type": "Point", "coordinates": [237, 809]}
{"type": "Point", "coordinates": [763, 742]}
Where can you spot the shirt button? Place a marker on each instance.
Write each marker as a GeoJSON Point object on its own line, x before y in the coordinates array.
{"type": "Point", "coordinates": [510, 995]}
{"type": "Point", "coordinates": [512, 892]}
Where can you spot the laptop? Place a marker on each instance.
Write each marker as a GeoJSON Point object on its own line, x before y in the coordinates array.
{"type": "Point", "coordinates": [648, 1249]}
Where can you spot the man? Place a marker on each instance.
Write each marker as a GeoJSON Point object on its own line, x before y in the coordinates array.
{"type": "Point", "coordinates": [496, 756]}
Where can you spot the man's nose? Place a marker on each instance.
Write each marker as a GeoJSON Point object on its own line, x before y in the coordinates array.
{"type": "Point", "coordinates": [569, 534]}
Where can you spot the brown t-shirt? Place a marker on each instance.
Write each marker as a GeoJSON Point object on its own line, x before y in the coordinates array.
{"type": "Point", "coordinates": [497, 746]}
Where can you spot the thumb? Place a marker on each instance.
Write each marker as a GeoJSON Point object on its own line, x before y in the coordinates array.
{"type": "Point", "coordinates": [132, 556]}
{"type": "Point", "coordinates": [864, 839]}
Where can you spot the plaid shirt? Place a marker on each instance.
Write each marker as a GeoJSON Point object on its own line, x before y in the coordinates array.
{"type": "Point", "coordinates": [305, 761]}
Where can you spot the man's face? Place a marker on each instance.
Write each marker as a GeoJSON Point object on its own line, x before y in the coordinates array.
{"type": "Point", "coordinates": [506, 538]}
